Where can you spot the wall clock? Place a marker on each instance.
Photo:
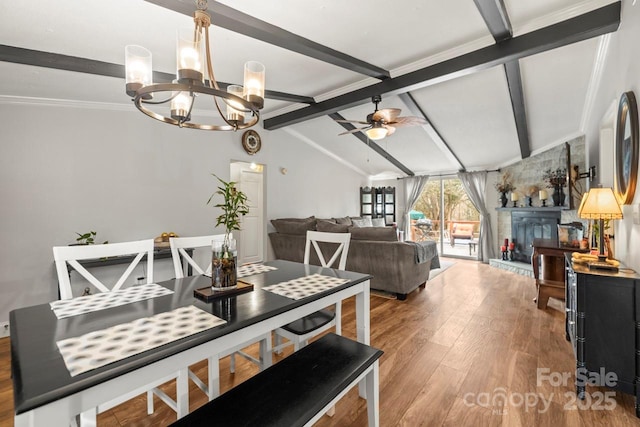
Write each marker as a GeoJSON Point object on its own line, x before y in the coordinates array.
{"type": "Point", "coordinates": [251, 142]}
{"type": "Point", "coordinates": [626, 148]}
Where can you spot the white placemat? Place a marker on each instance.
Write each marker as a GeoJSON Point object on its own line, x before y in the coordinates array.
{"type": "Point", "coordinates": [104, 300]}
{"type": "Point", "coordinates": [303, 287]}
{"type": "Point", "coordinates": [99, 348]}
{"type": "Point", "coordinates": [251, 269]}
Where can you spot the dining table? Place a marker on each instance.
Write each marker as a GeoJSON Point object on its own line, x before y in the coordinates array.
{"type": "Point", "coordinates": [46, 393]}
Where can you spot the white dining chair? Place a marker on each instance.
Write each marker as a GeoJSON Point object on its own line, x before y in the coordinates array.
{"type": "Point", "coordinates": [72, 255]}
{"type": "Point", "coordinates": [300, 331]}
{"type": "Point", "coordinates": [181, 259]}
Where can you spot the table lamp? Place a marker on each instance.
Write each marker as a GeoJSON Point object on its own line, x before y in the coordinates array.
{"type": "Point", "coordinates": [600, 204]}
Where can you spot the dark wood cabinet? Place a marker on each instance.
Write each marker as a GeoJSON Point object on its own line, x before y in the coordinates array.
{"type": "Point", "coordinates": [378, 203]}
{"type": "Point", "coordinates": [603, 325]}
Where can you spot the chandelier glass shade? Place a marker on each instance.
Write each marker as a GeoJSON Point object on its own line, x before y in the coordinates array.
{"type": "Point", "coordinates": [242, 104]}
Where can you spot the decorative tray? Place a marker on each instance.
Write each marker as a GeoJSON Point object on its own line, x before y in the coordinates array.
{"type": "Point", "coordinates": [207, 294]}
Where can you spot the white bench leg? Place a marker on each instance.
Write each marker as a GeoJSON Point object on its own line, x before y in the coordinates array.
{"type": "Point", "coordinates": [182, 392]}
{"type": "Point", "coordinates": [266, 350]}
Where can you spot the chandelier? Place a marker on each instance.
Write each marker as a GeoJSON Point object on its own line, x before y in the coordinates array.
{"type": "Point", "coordinates": [242, 103]}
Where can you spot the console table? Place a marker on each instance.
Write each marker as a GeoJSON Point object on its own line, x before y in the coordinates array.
{"type": "Point", "coordinates": [603, 323]}
{"type": "Point", "coordinates": [550, 279]}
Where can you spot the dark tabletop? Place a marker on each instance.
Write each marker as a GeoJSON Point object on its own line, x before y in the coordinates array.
{"type": "Point", "coordinates": [38, 369]}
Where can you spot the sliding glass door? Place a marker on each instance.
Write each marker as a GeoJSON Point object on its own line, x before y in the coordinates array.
{"type": "Point", "coordinates": [444, 213]}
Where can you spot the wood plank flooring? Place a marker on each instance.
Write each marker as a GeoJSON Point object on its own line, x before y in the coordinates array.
{"type": "Point", "coordinates": [463, 352]}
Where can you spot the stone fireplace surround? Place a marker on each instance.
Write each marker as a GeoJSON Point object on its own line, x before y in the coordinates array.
{"type": "Point", "coordinates": [528, 172]}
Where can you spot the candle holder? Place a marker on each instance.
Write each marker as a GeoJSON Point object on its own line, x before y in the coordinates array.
{"type": "Point", "coordinates": [529, 202]}
{"type": "Point", "coordinates": [515, 203]}
{"type": "Point", "coordinates": [505, 256]}
{"type": "Point", "coordinates": [544, 203]}
{"type": "Point", "coordinates": [511, 256]}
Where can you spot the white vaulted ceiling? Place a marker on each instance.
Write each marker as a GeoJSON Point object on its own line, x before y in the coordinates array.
{"type": "Point", "coordinates": [472, 113]}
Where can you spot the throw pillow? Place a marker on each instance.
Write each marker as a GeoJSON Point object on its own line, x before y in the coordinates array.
{"type": "Point", "coordinates": [378, 222]}
{"type": "Point", "coordinates": [344, 220]}
{"type": "Point", "coordinates": [365, 222]}
{"type": "Point", "coordinates": [382, 234]}
{"type": "Point", "coordinates": [330, 227]}
{"type": "Point", "coordinates": [294, 225]}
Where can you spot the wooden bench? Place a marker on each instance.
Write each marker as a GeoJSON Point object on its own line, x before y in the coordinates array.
{"type": "Point", "coordinates": [298, 390]}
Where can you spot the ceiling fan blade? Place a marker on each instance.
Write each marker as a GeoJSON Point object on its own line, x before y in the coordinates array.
{"type": "Point", "coordinates": [386, 114]}
{"type": "Point", "coordinates": [354, 130]}
{"type": "Point", "coordinates": [409, 121]}
{"type": "Point", "coordinates": [390, 129]}
{"type": "Point", "coordinates": [351, 121]}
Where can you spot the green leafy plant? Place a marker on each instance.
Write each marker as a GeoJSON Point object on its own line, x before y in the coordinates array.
{"type": "Point", "coordinates": [87, 238]}
{"type": "Point", "coordinates": [234, 205]}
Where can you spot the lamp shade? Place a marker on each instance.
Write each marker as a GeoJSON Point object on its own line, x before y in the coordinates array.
{"type": "Point", "coordinates": [376, 132]}
{"type": "Point", "coordinates": [599, 203]}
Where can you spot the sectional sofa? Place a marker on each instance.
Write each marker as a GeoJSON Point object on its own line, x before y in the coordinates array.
{"type": "Point", "coordinates": [397, 267]}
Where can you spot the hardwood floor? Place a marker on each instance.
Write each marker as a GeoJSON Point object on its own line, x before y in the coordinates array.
{"type": "Point", "coordinates": [463, 351]}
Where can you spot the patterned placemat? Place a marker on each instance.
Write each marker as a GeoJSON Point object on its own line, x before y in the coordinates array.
{"type": "Point", "coordinates": [250, 269]}
{"type": "Point", "coordinates": [303, 287]}
{"type": "Point", "coordinates": [104, 300]}
{"type": "Point", "coordinates": [99, 348]}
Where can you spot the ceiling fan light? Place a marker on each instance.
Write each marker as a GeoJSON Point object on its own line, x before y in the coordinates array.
{"type": "Point", "coordinates": [376, 133]}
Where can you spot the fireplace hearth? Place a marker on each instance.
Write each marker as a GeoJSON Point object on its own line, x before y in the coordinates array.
{"type": "Point", "coordinates": [532, 223]}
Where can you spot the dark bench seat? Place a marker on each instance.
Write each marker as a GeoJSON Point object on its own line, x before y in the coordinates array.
{"type": "Point", "coordinates": [298, 390]}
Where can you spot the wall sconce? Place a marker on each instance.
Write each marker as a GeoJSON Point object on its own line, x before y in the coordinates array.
{"type": "Point", "coordinates": [591, 173]}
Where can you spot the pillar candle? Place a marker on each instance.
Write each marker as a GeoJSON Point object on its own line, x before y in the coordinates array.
{"type": "Point", "coordinates": [506, 242]}
{"type": "Point", "coordinates": [512, 246]}
{"type": "Point", "coordinates": [543, 194]}
{"type": "Point", "coordinates": [514, 197]}
{"type": "Point", "coordinates": [503, 248]}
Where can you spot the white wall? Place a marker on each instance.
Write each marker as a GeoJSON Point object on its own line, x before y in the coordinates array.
{"type": "Point", "coordinates": [621, 73]}
{"type": "Point", "coordinates": [66, 169]}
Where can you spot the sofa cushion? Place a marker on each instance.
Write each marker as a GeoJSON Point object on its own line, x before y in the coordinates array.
{"type": "Point", "coordinates": [381, 234]}
{"type": "Point", "coordinates": [331, 227]}
{"type": "Point", "coordinates": [344, 220]}
{"type": "Point", "coordinates": [364, 222]}
{"type": "Point", "coordinates": [294, 225]}
{"type": "Point", "coordinates": [378, 222]}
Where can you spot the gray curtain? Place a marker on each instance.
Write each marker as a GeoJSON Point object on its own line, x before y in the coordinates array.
{"type": "Point", "coordinates": [413, 186]}
{"type": "Point", "coordinates": [475, 184]}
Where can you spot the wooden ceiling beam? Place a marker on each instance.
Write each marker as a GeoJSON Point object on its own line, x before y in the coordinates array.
{"type": "Point", "coordinates": [437, 138]}
{"type": "Point", "coordinates": [233, 20]}
{"type": "Point", "coordinates": [591, 24]}
{"type": "Point", "coordinates": [495, 16]}
{"type": "Point", "coordinates": [371, 144]}
{"type": "Point", "coordinates": [57, 61]}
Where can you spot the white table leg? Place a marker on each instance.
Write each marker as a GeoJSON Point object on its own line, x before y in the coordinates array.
{"type": "Point", "coordinates": [182, 392]}
{"type": "Point", "coordinates": [373, 397]}
{"type": "Point", "coordinates": [362, 326]}
{"type": "Point", "coordinates": [214, 376]}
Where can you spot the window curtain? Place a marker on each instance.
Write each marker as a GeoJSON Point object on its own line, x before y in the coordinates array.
{"type": "Point", "coordinates": [475, 184]}
{"type": "Point", "coordinates": [412, 189]}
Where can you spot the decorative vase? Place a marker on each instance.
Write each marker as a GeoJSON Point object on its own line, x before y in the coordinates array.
{"type": "Point", "coordinates": [503, 199]}
{"type": "Point", "coordinates": [224, 265]}
{"type": "Point", "coordinates": [558, 196]}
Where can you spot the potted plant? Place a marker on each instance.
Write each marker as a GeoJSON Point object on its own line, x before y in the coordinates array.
{"type": "Point", "coordinates": [225, 257]}
{"type": "Point", "coordinates": [504, 186]}
{"type": "Point", "coordinates": [556, 179]}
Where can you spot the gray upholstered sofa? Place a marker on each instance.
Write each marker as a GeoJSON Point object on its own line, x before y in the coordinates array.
{"type": "Point", "coordinates": [396, 267]}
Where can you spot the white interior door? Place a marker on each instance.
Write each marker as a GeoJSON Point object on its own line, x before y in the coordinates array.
{"type": "Point", "coordinates": [251, 239]}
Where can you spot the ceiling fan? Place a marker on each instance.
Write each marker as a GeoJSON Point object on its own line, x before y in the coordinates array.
{"type": "Point", "coordinates": [383, 122]}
